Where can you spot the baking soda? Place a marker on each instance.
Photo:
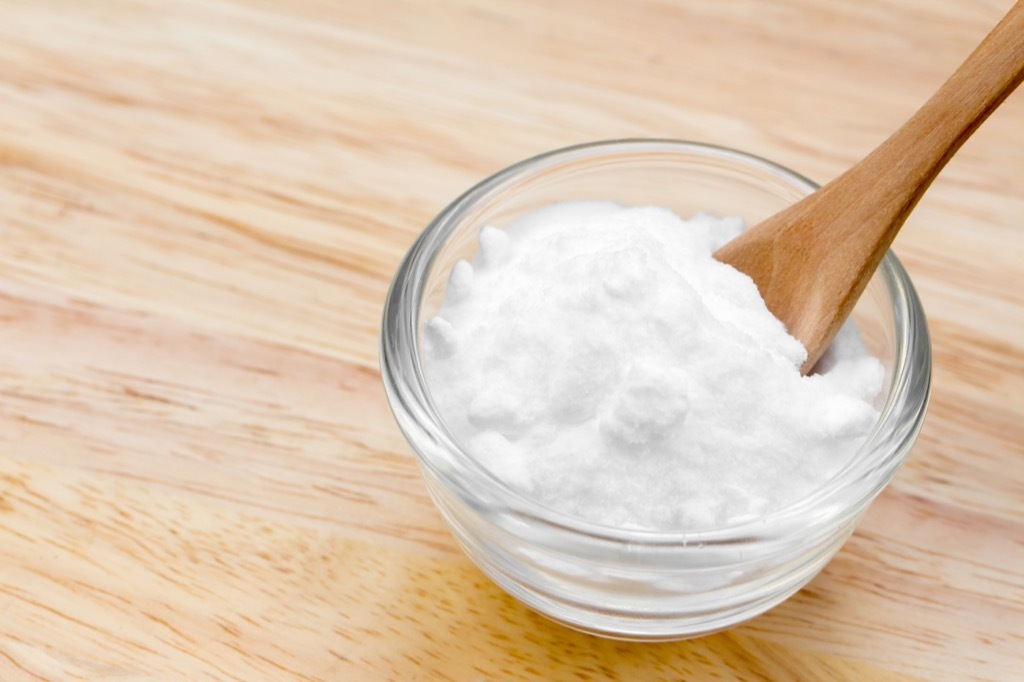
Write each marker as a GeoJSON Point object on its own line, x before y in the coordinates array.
{"type": "Point", "coordinates": [598, 358]}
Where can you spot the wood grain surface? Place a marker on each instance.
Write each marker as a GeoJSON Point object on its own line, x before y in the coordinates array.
{"type": "Point", "coordinates": [201, 206]}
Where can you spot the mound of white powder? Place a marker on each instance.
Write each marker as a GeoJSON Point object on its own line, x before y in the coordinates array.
{"type": "Point", "coordinates": [599, 359]}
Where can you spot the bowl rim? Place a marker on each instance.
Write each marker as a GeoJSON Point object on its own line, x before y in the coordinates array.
{"type": "Point", "coordinates": [426, 431]}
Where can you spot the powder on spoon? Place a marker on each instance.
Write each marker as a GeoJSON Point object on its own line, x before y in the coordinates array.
{"type": "Point", "coordinates": [599, 359]}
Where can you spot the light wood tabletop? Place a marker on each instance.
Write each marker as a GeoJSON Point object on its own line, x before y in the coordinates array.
{"type": "Point", "coordinates": [202, 203]}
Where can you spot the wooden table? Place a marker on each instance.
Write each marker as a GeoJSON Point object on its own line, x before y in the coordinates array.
{"type": "Point", "coordinates": [201, 205]}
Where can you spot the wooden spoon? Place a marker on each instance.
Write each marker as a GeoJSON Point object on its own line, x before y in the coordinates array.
{"type": "Point", "coordinates": [812, 260]}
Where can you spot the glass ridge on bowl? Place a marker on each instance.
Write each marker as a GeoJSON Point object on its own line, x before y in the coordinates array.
{"type": "Point", "coordinates": [627, 583]}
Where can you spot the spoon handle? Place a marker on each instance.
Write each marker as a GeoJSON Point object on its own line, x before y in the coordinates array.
{"type": "Point", "coordinates": [909, 160]}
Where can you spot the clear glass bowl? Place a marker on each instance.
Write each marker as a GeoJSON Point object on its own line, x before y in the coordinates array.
{"type": "Point", "coordinates": [629, 584]}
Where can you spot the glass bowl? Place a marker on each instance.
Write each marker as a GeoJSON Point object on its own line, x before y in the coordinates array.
{"type": "Point", "coordinates": [637, 584]}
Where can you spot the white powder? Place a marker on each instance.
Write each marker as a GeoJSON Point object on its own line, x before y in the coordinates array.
{"type": "Point", "coordinates": [598, 358]}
